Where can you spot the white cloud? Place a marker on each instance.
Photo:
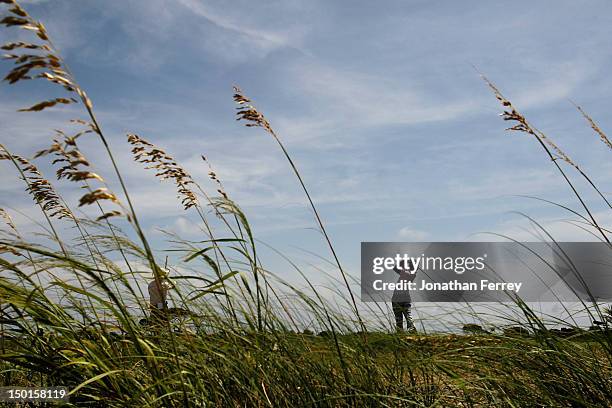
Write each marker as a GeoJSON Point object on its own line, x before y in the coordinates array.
{"type": "Point", "coordinates": [410, 234]}
{"type": "Point", "coordinates": [185, 227]}
{"type": "Point", "coordinates": [563, 230]}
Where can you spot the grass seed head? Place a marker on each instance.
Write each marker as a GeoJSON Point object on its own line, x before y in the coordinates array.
{"type": "Point", "coordinates": [37, 60]}
{"type": "Point", "coordinates": [7, 219]}
{"type": "Point", "coordinates": [39, 187]}
{"type": "Point", "coordinates": [166, 168]}
{"type": "Point", "coordinates": [520, 123]}
{"type": "Point", "coordinates": [248, 112]}
{"type": "Point", "coordinates": [595, 127]}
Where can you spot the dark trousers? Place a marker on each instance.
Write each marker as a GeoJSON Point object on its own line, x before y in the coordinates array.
{"type": "Point", "coordinates": [401, 310]}
{"type": "Point", "coordinates": [159, 316]}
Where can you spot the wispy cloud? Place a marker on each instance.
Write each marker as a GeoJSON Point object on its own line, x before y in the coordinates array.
{"type": "Point", "coordinates": [239, 38]}
{"type": "Point", "coordinates": [553, 83]}
{"type": "Point", "coordinates": [359, 98]}
{"type": "Point", "coordinates": [265, 40]}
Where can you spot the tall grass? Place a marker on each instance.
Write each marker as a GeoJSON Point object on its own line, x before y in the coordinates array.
{"type": "Point", "coordinates": [74, 312]}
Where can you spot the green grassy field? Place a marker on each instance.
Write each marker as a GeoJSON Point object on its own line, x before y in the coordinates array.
{"type": "Point", "coordinates": [286, 369]}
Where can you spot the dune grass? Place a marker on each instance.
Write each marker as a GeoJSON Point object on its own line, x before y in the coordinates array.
{"type": "Point", "coordinates": [74, 307]}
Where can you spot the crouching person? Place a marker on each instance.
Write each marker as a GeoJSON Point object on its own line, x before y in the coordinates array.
{"type": "Point", "coordinates": [158, 294]}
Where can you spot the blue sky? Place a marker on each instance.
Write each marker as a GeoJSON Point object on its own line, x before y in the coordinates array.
{"type": "Point", "coordinates": [396, 135]}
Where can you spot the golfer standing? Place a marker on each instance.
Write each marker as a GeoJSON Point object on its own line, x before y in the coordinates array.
{"type": "Point", "coordinates": [400, 301]}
